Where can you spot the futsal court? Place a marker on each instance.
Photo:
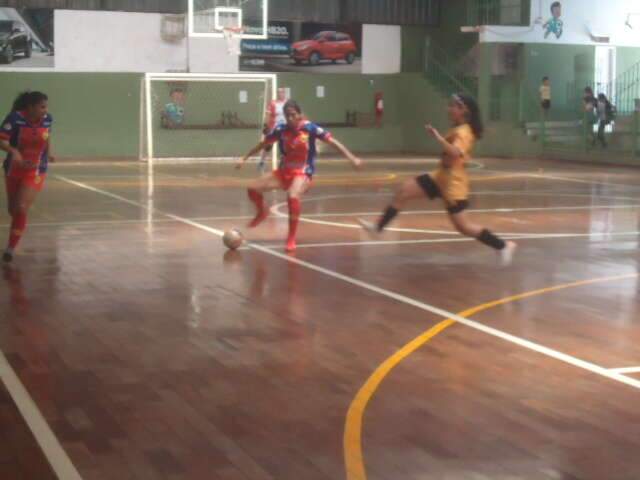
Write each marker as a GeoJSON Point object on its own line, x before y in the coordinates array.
{"type": "Point", "coordinates": [137, 343]}
{"type": "Point", "coordinates": [148, 350]}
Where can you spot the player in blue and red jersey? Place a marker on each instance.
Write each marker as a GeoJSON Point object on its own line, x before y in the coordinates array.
{"type": "Point", "coordinates": [25, 136]}
{"type": "Point", "coordinates": [297, 143]}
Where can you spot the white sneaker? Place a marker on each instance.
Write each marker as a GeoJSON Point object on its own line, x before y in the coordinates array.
{"type": "Point", "coordinates": [370, 227]}
{"type": "Point", "coordinates": [506, 254]}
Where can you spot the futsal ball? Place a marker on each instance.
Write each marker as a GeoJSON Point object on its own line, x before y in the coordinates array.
{"type": "Point", "coordinates": [232, 238]}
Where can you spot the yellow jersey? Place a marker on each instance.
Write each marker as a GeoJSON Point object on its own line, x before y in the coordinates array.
{"type": "Point", "coordinates": [453, 181]}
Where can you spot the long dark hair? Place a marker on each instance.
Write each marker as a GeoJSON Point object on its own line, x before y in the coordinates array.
{"type": "Point", "coordinates": [28, 99]}
{"type": "Point", "coordinates": [475, 118]}
{"type": "Point", "coordinates": [292, 104]}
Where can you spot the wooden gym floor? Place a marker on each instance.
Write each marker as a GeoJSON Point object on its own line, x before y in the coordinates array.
{"type": "Point", "coordinates": [134, 346]}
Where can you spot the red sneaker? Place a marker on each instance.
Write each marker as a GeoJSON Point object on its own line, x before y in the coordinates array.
{"type": "Point", "coordinates": [259, 218]}
{"type": "Point", "coordinates": [291, 246]}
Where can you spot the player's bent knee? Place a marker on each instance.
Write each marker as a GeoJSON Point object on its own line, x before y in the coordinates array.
{"type": "Point", "coordinates": [401, 196]}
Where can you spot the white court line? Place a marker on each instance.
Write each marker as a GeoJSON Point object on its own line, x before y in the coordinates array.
{"type": "Point", "coordinates": [625, 370]}
{"type": "Point", "coordinates": [563, 357]}
{"type": "Point", "coordinates": [578, 180]}
{"type": "Point", "coordinates": [124, 221]}
{"type": "Point", "coordinates": [331, 215]}
{"type": "Point", "coordinates": [474, 210]}
{"type": "Point", "coordinates": [275, 209]}
{"type": "Point", "coordinates": [542, 236]}
{"type": "Point", "coordinates": [53, 451]}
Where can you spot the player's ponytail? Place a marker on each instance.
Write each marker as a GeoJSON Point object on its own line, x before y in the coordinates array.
{"type": "Point", "coordinates": [474, 117]}
{"type": "Point", "coordinates": [28, 99]}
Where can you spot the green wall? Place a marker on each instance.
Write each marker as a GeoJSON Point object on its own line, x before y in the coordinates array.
{"type": "Point", "coordinates": [413, 49]}
{"type": "Point", "coordinates": [626, 57]}
{"type": "Point", "coordinates": [423, 104]}
{"type": "Point", "coordinates": [448, 35]}
{"type": "Point", "coordinates": [97, 115]}
{"type": "Point", "coordinates": [94, 114]}
{"type": "Point", "coordinates": [569, 67]}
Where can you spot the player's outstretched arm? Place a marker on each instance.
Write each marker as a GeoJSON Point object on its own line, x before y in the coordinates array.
{"type": "Point", "coordinates": [357, 162]}
{"type": "Point", "coordinates": [251, 152]}
{"type": "Point", "coordinates": [451, 151]}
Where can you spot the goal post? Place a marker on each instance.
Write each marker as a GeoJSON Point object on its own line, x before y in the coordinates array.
{"type": "Point", "coordinates": [186, 117]}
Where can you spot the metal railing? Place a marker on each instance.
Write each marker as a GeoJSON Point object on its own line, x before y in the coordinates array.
{"type": "Point", "coordinates": [446, 74]}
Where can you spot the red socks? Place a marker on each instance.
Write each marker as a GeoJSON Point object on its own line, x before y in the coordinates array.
{"type": "Point", "coordinates": [257, 199]}
{"type": "Point", "coordinates": [18, 225]}
{"type": "Point", "coordinates": [294, 217]}
{"type": "Point", "coordinates": [261, 212]}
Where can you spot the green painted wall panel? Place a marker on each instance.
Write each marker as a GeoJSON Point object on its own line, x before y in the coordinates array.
{"type": "Point", "coordinates": [94, 114]}
{"type": "Point", "coordinates": [626, 57]}
{"type": "Point", "coordinates": [97, 115]}
{"type": "Point", "coordinates": [569, 68]}
{"type": "Point", "coordinates": [413, 49]}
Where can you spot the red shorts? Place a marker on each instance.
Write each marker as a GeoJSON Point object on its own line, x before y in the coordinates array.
{"type": "Point", "coordinates": [286, 177]}
{"type": "Point", "coordinates": [14, 183]}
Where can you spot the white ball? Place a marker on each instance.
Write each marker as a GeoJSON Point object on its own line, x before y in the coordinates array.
{"type": "Point", "coordinates": [233, 239]}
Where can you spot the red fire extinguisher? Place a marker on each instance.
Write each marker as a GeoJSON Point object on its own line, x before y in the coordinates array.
{"type": "Point", "coordinates": [379, 108]}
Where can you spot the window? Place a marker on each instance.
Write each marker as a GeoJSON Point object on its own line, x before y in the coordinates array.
{"type": "Point", "coordinates": [510, 12]}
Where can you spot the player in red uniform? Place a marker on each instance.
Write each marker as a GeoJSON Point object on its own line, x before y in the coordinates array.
{"type": "Point", "coordinates": [25, 135]}
{"type": "Point", "coordinates": [297, 143]}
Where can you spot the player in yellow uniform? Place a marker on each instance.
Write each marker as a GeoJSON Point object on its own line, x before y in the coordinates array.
{"type": "Point", "coordinates": [450, 181]}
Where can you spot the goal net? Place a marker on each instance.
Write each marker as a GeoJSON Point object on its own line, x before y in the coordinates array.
{"type": "Point", "coordinates": [202, 117]}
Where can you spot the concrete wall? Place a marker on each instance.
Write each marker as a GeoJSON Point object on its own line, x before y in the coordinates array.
{"type": "Point", "coordinates": [114, 42]}
{"type": "Point", "coordinates": [382, 49]}
{"type": "Point", "coordinates": [209, 55]}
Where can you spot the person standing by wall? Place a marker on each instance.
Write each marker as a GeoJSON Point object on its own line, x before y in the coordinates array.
{"type": "Point", "coordinates": [545, 97]}
{"type": "Point", "coordinates": [590, 109]}
{"type": "Point", "coordinates": [605, 117]}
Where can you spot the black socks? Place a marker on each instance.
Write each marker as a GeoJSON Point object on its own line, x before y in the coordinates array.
{"type": "Point", "coordinates": [491, 240]}
{"type": "Point", "coordinates": [388, 215]}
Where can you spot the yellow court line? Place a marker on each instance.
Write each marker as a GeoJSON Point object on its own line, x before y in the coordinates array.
{"type": "Point", "coordinates": [353, 456]}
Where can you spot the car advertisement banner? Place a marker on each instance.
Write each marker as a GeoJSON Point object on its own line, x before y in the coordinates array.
{"type": "Point", "coordinates": [26, 38]}
{"type": "Point", "coordinates": [305, 47]}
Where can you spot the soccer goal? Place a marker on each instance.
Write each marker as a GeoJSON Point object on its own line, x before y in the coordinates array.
{"type": "Point", "coordinates": [188, 117]}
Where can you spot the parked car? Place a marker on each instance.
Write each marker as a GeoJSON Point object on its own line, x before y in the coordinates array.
{"type": "Point", "coordinates": [325, 46]}
{"type": "Point", "coordinates": [14, 39]}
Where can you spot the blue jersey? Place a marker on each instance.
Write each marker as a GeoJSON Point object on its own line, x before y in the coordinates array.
{"type": "Point", "coordinates": [297, 146]}
{"type": "Point", "coordinates": [31, 140]}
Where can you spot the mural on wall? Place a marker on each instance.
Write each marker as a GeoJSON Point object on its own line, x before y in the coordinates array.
{"type": "Point", "coordinates": [555, 25]}
{"type": "Point", "coordinates": [574, 22]}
